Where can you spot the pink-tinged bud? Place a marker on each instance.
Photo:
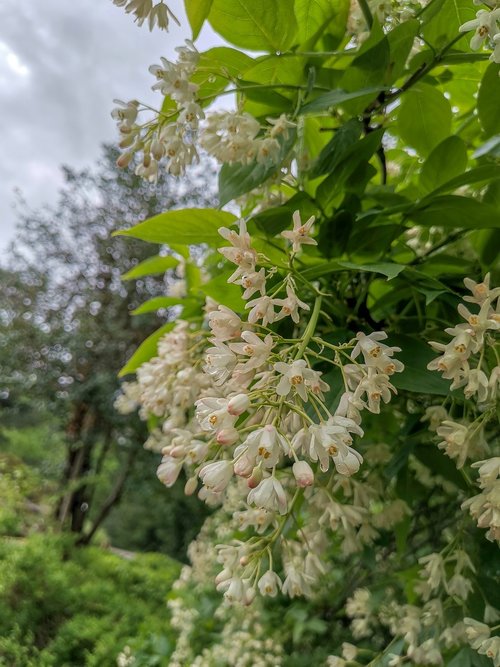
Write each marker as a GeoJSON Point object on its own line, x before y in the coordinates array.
{"type": "Point", "coordinates": [238, 404]}
{"type": "Point", "coordinates": [124, 160]}
{"type": "Point", "coordinates": [157, 149]}
{"type": "Point", "coordinates": [244, 561]}
{"type": "Point", "coordinates": [227, 436]}
{"type": "Point", "coordinates": [303, 474]}
{"type": "Point", "coordinates": [166, 450]}
{"type": "Point", "coordinates": [255, 478]}
{"type": "Point", "coordinates": [168, 471]}
{"type": "Point", "coordinates": [191, 486]}
{"type": "Point", "coordinates": [146, 160]}
{"type": "Point", "coordinates": [177, 452]}
{"type": "Point", "coordinates": [243, 466]}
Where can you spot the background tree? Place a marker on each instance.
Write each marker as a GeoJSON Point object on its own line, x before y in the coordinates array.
{"type": "Point", "coordinates": [66, 328]}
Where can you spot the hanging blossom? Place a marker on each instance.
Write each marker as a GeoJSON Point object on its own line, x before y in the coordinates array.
{"type": "Point", "coordinates": [144, 10]}
{"type": "Point", "coordinates": [467, 361]}
{"type": "Point", "coordinates": [245, 408]}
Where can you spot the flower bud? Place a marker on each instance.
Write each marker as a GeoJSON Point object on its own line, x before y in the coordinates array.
{"type": "Point", "coordinates": [303, 474]}
{"type": "Point", "coordinates": [177, 452]}
{"type": "Point", "coordinates": [227, 436]}
{"type": "Point", "coordinates": [191, 486]}
{"type": "Point", "coordinates": [238, 404]}
{"type": "Point", "coordinates": [124, 160]}
{"type": "Point", "coordinates": [243, 466]}
{"type": "Point", "coordinates": [255, 478]}
{"type": "Point", "coordinates": [249, 596]}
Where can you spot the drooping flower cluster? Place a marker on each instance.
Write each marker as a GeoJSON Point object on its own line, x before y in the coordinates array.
{"type": "Point", "coordinates": [463, 439]}
{"type": "Point", "coordinates": [262, 420]}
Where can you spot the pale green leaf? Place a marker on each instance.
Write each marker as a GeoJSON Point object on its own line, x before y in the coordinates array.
{"type": "Point", "coordinates": [188, 226]}
{"type": "Point", "coordinates": [447, 160]}
{"type": "Point", "coordinates": [259, 25]}
{"type": "Point", "coordinates": [156, 303]}
{"type": "Point", "coordinates": [488, 101]}
{"type": "Point", "coordinates": [197, 12]}
{"type": "Point", "coordinates": [151, 266]}
{"type": "Point", "coordinates": [424, 118]}
{"type": "Point", "coordinates": [146, 350]}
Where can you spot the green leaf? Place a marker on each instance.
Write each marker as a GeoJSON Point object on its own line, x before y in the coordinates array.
{"type": "Point", "coordinates": [146, 350]}
{"type": "Point", "coordinates": [446, 161]}
{"type": "Point", "coordinates": [156, 303]}
{"type": "Point", "coordinates": [440, 464]}
{"type": "Point", "coordinates": [338, 148]}
{"type": "Point", "coordinates": [337, 98]}
{"type": "Point", "coordinates": [315, 17]}
{"type": "Point", "coordinates": [259, 25]}
{"type": "Point", "coordinates": [488, 108]}
{"type": "Point", "coordinates": [188, 226]}
{"type": "Point", "coordinates": [223, 292]}
{"type": "Point", "coordinates": [388, 269]}
{"type": "Point", "coordinates": [461, 659]}
{"type": "Point", "coordinates": [275, 219]}
{"type": "Point", "coordinates": [237, 179]}
{"type": "Point", "coordinates": [197, 12]}
{"type": "Point", "coordinates": [424, 118]}
{"type": "Point", "coordinates": [490, 148]}
{"type": "Point", "coordinates": [400, 40]}
{"type": "Point", "coordinates": [415, 355]}
{"type": "Point", "coordinates": [151, 266]}
{"type": "Point", "coordinates": [444, 25]}
{"type": "Point", "coordinates": [455, 211]}
{"type": "Point", "coordinates": [488, 172]}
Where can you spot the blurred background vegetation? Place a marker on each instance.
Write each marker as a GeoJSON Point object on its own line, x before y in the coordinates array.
{"type": "Point", "coordinates": [79, 491]}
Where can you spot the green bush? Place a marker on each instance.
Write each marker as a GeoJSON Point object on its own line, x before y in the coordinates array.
{"type": "Point", "coordinates": [64, 606]}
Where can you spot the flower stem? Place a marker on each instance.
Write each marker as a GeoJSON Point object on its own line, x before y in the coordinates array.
{"type": "Point", "coordinates": [311, 327]}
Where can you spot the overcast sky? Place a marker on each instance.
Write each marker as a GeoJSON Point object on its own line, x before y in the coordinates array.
{"type": "Point", "coordinates": [62, 62]}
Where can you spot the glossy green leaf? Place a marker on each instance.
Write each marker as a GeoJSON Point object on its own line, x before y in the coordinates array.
{"type": "Point", "coordinates": [197, 12]}
{"type": "Point", "coordinates": [237, 179]}
{"type": "Point", "coordinates": [489, 172]}
{"type": "Point", "coordinates": [488, 105]}
{"type": "Point", "coordinates": [260, 25]}
{"type": "Point", "coordinates": [400, 40]}
{"type": "Point", "coordinates": [221, 291]}
{"type": "Point", "coordinates": [385, 268]}
{"type": "Point", "coordinates": [336, 98]}
{"type": "Point", "coordinates": [315, 17]}
{"type": "Point", "coordinates": [444, 25]}
{"type": "Point", "coordinates": [338, 148]}
{"type": "Point", "coordinates": [189, 226]}
{"type": "Point", "coordinates": [156, 303]}
{"type": "Point", "coordinates": [415, 355]}
{"type": "Point", "coordinates": [447, 160]}
{"type": "Point", "coordinates": [424, 118]}
{"type": "Point", "coordinates": [146, 350]}
{"type": "Point", "coordinates": [151, 266]}
{"type": "Point", "coordinates": [455, 211]}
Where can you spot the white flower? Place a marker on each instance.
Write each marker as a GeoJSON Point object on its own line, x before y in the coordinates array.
{"type": "Point", "coordinates": [455, 440]}
{"type": "Point", "coordinates": [224, 323]}
{"type": "Point", "coordinates": [303, 474]}
{"type": "Point", "coordinates": [485, 25]}
{"type": "Point", "coordinates": [481, 291]}
{"type": "Point", "coordinates": [238, 404]}
{"type": "Point", "coordinates": [220, 361]}
{"type": "Point", "coordinates": [255, 348]}
{"type": "Point", "coordinates": [168, 470]}
{"type": "Point", "coordinates": [216, 475]}
{"type": "Point", "coordinates": [240, 253]}
{"type": "Point", "coordinates": [261, 309]}
{"type": "Point", "coordinates": [268, 150]}
{"type": "Point", "coordinates": [475, 632]}
{"type": "Point", "coordinates": [125, 112]}
{"type": "Point", "coordinates": [290, 306]}
{"type": "Point", "coordinates": [280, 126]}
{"type": "Point", "coordinates": [253, 282]}
{"type": "Point", "coordinates": [376, 354]}
{"type": "Point", "coordinates": [300, 235]}
{"type": "Point", "coordinates": [265, 444]}
{"type": "Point", "coordinates": [270, 495]}
{"type": "Point", "coordinates": [489, 470]}
{"type": "Point", "coordinates": [269, 584]}
{"type": "Point", "coordinates": [376, 386]}
{"type": "Point", "coordinates": [295, 376]}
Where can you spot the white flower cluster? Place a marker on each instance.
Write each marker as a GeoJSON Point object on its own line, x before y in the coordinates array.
{"type": "Point", "coordinates": [465, 439]}
{"type": "Point", "coordinates": [262, 424]}
{"type": "Point", "coordinates": [478, 636]}
{"type": "Point", "coordinates": [170, 140]}
{"type": "Point", "coordinates": [486, 27]}
{"type": "Point", "coordinates": [485, 507]}
{"type": "Point", "coordinates": [174, 133]}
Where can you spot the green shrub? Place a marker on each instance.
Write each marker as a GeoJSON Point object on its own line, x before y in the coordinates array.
{"type": "Point", "coordinates": [61, 605]}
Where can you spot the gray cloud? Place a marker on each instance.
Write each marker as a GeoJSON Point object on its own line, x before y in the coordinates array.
{"type": "Point", "coordinates": [61, 65]}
